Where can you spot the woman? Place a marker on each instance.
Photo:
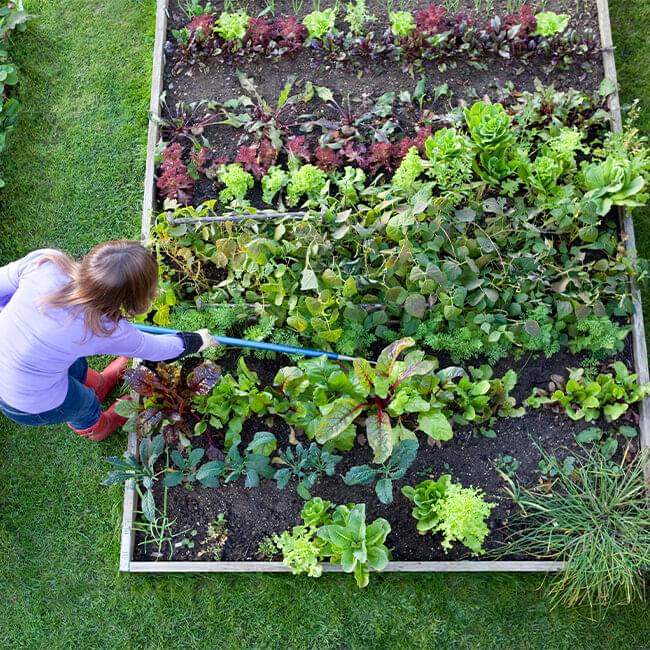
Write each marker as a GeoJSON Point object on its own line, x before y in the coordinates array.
{"type": "Point", "coordinates": [55, 311]}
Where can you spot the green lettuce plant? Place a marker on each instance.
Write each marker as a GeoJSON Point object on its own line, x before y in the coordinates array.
{"type": "Point", "coordinates": [450, 156]}
{"type": "Point", "coordinates": [342, 536]}
{"type": "Point", "coordinates": [237, 182]}
{"type": "Point", "coordinates": [357, 17]}
{"type": "Point", "coordinates": [404, 182]}
{"type": "Point", "coordinates": [232, 26]}
{"type": "Point", "coordinates": [614, 181]}
{"type": "Point", "coordinates": [490, 127]}
{"type": "Point", "coordinates": [402, 23]}
{"type": "Point", "coordinates": [301, 551]}
{"type": "Point", "coordinates": [316, 512]}
{"type": "Point", "coordinates": [549, 23]}
{"type": "Point", "coordinates": [320, 23]}
{"type": "Point", "coordinates": [357, 546]}
{"type": "Point", "coordinates": [306, 180]}
{"type": "Point", "coordinates": [458, 513]}
{"type": "Point", "coordinates": [272, 183]}
{"type": "Point", "coordinates": [581, 397]}
{"type": "Point", "coordinates": [232, 401]}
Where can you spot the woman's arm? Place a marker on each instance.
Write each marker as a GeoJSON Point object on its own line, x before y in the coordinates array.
{"type": "Point", "coordinates": [10, 274]}
{"type": "Point", "coordinates": [128, 341]}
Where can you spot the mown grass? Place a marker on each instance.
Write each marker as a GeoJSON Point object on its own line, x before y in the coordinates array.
{"type": "Point", "coordinates": [73, 174]}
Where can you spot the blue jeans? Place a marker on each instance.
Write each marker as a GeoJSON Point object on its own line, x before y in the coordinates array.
{"type": "Point", "coordinates": [80, 408]}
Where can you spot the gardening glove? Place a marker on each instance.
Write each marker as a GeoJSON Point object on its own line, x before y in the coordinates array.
{"type": "Point", "coordinates": [208, 340]}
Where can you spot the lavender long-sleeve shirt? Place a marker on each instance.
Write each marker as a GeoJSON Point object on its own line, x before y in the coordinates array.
{"type": "Point", "coordinates": [39, 344]}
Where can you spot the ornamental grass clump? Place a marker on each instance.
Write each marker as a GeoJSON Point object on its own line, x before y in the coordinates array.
{"type": "Point", "coordinates": [596, 519]}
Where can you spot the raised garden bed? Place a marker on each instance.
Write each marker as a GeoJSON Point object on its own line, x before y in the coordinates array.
{"type": "Point", "coordinates": [484, 449]}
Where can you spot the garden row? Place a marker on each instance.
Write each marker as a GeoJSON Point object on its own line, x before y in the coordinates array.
{"type": "Point", "coordinates": [463, 235]}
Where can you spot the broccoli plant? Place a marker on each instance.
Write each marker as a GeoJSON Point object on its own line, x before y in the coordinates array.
{"type": "Point", "coordinates": [305, 464]}
{"type": "Point", "coordinates": [394, 469]}
{"type": "Point", "coordinates": [252, 466]}
{"type": "Point", "coordinates": [584, 398]}
{"type": "Point", "coordinates": [458, 513]}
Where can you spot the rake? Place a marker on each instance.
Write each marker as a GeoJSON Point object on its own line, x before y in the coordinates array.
{"type": "Point", "coordinates": [253, 345]}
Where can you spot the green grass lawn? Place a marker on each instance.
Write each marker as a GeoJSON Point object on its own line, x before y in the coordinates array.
{"type": "Point", "coordinates": [74, 173]}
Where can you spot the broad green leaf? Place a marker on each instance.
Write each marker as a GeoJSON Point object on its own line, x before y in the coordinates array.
{"type": "Point", "coordinates": [149, 506]}
{"type": "Point", "coordinates": [263, 443]}
{"type": "Point", "coordinates": [415, 305]}
{"type": "Point", "coordinates": [359, 475]}
{"type": "Point", "coordinates": [589, 435]}
{"type": "Point", "coordinates": [384, 490]}
{"type": "Point", "coordinates": [389, 355]}
{"type": "Point", "coordinates": [364, 373]}
{"type": "Point", "coordinates": [308, 280]}
{"type": "Point", "coordinates": [380, 436]}
{"type": "Point", "coordinates": [340, 414]}
{"type": "Point", "coordinates": [435, 425]}
{"type": "Point", "coordinates": [609, 447]}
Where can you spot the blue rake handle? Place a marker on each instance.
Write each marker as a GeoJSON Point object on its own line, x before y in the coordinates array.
{"type": "Point", "coordinates": [254, 345]}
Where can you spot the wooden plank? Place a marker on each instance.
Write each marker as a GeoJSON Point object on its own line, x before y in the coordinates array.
{"type": "Point", "coordinates": [638, 328]}
{"type": "Point", "coordinates": [127, 541]}
{"type": "Point", "coordinates": [154, 111]}
{"type": "Point", "coordinates": [465, 566]}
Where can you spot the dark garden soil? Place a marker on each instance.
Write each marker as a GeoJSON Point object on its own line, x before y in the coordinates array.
{"type": "Point", "coordinates": [253, 514]}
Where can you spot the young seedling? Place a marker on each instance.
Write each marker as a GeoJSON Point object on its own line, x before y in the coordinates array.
{"type": "Point", "coordinates": [394, 469]}
{"type": "Point", "coordinates": [305, 464]}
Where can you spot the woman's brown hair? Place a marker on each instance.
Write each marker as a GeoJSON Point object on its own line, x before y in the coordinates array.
{"type": "Point", "coordinates": [115, 279]}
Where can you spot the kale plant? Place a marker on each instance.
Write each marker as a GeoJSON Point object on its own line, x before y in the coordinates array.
{"type": "Point", "coordinates": [392, 470]}
{"type": "Point", "coordinates": [305, 464]}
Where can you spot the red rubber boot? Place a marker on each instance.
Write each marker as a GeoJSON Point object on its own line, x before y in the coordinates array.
{"type": "Point", "coordinates": [109, 422]}
{"type": "Point", "coordinates": [103, 382]}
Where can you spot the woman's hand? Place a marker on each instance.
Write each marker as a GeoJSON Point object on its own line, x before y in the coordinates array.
{"type": "Point", "coordinates": [208, 340]}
